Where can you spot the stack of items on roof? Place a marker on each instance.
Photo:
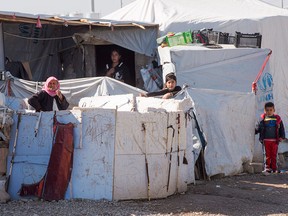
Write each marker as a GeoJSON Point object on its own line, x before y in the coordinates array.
{"type": "Point", "coordinates": [210, 37]}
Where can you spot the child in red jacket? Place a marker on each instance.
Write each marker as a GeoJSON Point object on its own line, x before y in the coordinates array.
{"type": "Point", "coordinates": [272, 132]}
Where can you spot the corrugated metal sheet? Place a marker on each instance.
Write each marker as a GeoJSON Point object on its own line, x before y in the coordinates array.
{"type": "Point", "coordinates": [64, 20]}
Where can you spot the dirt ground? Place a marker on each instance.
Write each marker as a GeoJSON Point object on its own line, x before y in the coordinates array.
{"type": "Point", "coordinates": [238, 195]}
{"type": "Point", "coordinates": [244, 194]}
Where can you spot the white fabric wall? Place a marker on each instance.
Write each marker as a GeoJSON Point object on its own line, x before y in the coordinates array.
{"type": "Point", "coordinates": [73, 89]}
{"type": "Point", "coordinates": [229, 68]}
{"type": "Point", "coordinates": [228, 122]}
{"type": "Point", "coordinates": [120, 102]}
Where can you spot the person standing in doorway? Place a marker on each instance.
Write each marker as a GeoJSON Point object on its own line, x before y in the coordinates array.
{"type": "Point", "coordinates": [117, 69]}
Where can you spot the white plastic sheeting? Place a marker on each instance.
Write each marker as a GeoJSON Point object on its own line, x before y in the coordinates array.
{"type": "Point", "coordinates": [228, 121]}
{"type": "Point", "coordinates": [140, 135]}
{"type": "Point", "coordinates": [181, 15]}
{"type": "Point", "coordinates": [119, 102]}
{"type": "Point", "coordinates": [73, 89]}
{"type": "Point", "coordinates": [229, 68]}
{"type": "Point", "coordinates": [192, 143]}
{"type": "Point", "coordinates": [157, 105]}
{"type": "Point", "coordinates": [140, 40]}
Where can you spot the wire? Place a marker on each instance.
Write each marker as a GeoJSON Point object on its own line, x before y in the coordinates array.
{"type": "Point", "coordinates": [52, 54]}
{"type": "Point", "coordinates": [32, 38]}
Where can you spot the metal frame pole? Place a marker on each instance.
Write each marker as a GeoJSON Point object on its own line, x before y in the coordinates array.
{"type": "Point", "coordinates": [93, 6]}
{"type": "Point", "coordinates": [2, 55]}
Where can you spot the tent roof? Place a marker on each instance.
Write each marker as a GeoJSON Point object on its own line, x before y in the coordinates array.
{"type": "Point", "coordinates": [137, 36]}
{"type": "Point", "coordinates": [64, 20]}
{"type": "Point", "coordinates": [165, 12]}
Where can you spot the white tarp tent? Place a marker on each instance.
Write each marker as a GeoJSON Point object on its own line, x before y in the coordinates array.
{"type": "Point", "coordinates": [247, 16]}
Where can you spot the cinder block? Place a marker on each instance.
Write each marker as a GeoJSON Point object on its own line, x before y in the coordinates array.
{"type": "Point", "coordinates": [257, 167]}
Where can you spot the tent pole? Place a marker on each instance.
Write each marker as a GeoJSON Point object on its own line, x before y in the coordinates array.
{"type": "Point", "coordinates": [2, 56]}
{"type": "Point", "coordinates": [93, 6]}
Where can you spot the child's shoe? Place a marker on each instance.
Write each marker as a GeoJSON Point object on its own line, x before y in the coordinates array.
{"type": "Point", "coordinates": [266, 172]}
{"type": "Point", "coordinates": [276, 171]}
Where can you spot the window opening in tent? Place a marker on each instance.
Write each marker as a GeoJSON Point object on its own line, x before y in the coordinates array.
{"type": "Point", "coordinates": [103, 57]}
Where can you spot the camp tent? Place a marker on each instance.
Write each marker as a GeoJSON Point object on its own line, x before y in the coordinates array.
{"type": "Point", "coordinates": [66, 46]}
{"type": "Point", "coordinates": [247, 16]}
{"type": "Point", "coordinates": [281, 3]}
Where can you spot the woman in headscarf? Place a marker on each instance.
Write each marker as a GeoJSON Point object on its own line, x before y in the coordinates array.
{"type": "Point", "coordinates": [49, 98]}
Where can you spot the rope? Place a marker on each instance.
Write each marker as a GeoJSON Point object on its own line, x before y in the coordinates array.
{"type": "Point", "coordinates": [32, 38]}
{"type": "Point", "coordinates": [254, 84]}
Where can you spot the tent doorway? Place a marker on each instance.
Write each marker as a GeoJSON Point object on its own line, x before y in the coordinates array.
{"type": "Point", "coordinates": [103, 53]}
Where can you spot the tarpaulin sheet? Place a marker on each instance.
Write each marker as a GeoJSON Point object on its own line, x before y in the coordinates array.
{"type": "Point", "coordinates": [229, 68]}
{"type": "Point", "coordinates": [227, 120]}
{"type": "Point", "coordinates": [73, 89]}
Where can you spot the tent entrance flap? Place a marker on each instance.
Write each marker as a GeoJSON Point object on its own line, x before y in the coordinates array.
{"type": "Point", "coordinates": [139, 40]}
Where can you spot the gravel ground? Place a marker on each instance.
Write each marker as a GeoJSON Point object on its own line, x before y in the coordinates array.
{"type": "Point", "coordinates": [75, 207]}
{"type": "Point", "coordinates": [237, 195]}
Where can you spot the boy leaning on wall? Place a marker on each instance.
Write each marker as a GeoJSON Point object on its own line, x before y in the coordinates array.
{"type": "Point", "coordinates": [271, 130]}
